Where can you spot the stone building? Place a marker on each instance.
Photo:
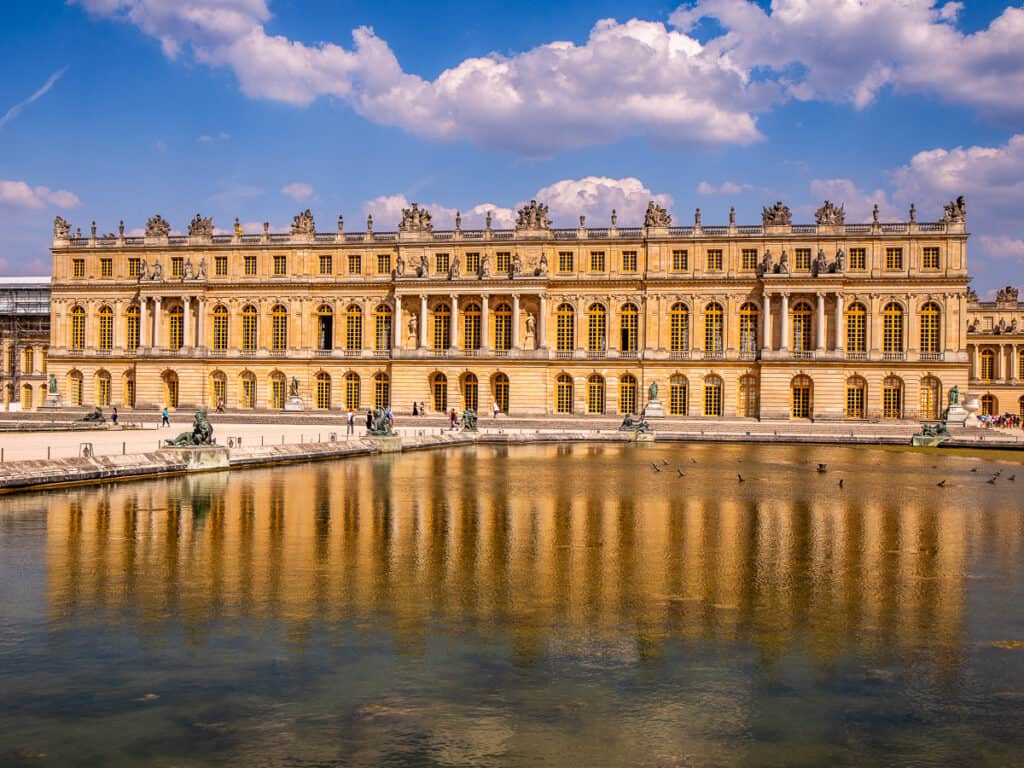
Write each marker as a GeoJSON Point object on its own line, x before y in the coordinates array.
{"type": "Point", "coordinates": [826, 320]}
{"type": "Point", "coordinates": [24, 341]}
{"type": "Point", "coordinates": [995, 344]}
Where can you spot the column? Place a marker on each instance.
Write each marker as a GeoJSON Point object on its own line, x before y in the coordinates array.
{"type": "Point", "coordinates": [784, 345]}
{"type": "Point", "coordinates": [453, 339]}
{"type": "Point", "coordinates": [840, 322]}
{"type": "Point", "coordinates": [156, 322]}
{"type": "Point", "coordinates": [186, 329]}
{"type": "Point", "coordinates": [201, 324]}
{"type": "Point", "coordinates": [485, 324]}
{"type": "Point", "coordinates": [144, 335]}
{"type": "Point", "coordinates": [820, 325]}
{"type": "Point", "coordinates": [542, 323]}
{"type": "Point", "coordinates": [766, 325]}
{"type": "Point", "coordinates": [515, 321]}
{"type": "Point", "coordinates": [423, 321]}
{"type": "Point", "coordinates": [1014, 373]}
{"type": "Point", "coordinates": [396, 330]}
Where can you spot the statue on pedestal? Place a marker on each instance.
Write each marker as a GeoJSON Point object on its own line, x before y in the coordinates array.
{"type": "Point", "coordinates": [201, 434]}
{"type": "Point", "coordinates": [469, 420]}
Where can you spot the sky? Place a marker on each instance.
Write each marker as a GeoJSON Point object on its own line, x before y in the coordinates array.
{"type": "Point", "coordinates": [258, 109]}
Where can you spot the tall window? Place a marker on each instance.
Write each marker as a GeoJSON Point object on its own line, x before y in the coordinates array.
{"type": "Point", "coordinates": [748, 259]}
{"type": "Point", "coordinates": [106, 318]}
{"type": "Point", "coordinates": [441, 263]}
{"type": "Point", "coordinates": [892, 398]}
{"type": "Point", "coordinates": [503, 262]}
{"type": "Point", "coordinates": [472, 263]}
{"type": "Point", "coordinates": [249, 390]}
{"type": "Point", "coordinates": [471, 392]}
{"type": "Point", "coordinates": [170, 389]}
{"type": "Point", "coordinates": [713, 328]}
{"type": "Point", "coordinates": [988, 364]}
{"type": "Point", "coordinates": [439, 388]}
{"type": "Point", "coordinates": [749, 405]}
{"type": "Point", "coordinates": [176, 327]}
{"type": "Point", "coordinates": [595, 394]}
{"type": "Point", "coordinates": [678, 395]}
{"type": "Point", "coordinates": [324, 327]}
{"type": "Point", "coordinates": [503, 327]}
{"type": "Point", "coordinates": [323, 391]}
{"type": "Point", "coordinates": [381, 390]}
{"type": "Point", "coordinates": [800, 316]}
{"type": "Point", "coordinates": [177, 266]}
{"type": "Point", "coordinates": [597, 328]}
{"type": "Point", "coordinates": [680, 261]}
{"type": "Point", "coordinates": [712, 396]}
{"type": "Point", "coordinates": [27, 355]}
{"type": "Point", "coordinates": [629, 325]}
{"type": "Point", "coordinates": [930, 315]}
{"type": "Point", "coordinates": [383, 263]}
{"type": "Point", "coordinates": [627, 394]}
{"type": "Point", "coordinates": [220, 266]}
{"type": "Point", "coordinates": [107, 270]}
{"type": "Point", "coordinates": [103, 389]}
{"type": "Point", "coordinates": [930, 399]}
{"type": "Point", "coordinates": [78, 267]}
{"type": "Point", "coordinates": [565, 261]}
{"type": "Point", "coordinates": [355, 263]}
{"type": "Point", "coordinates": [988, 405]}
{"type": "Point", "coordinates": [801, 397]}
{"type": "Point", "coordinates": [597, 261]}
{"type": "Point", "coordinates": [250, 264]}
{"type": "Point", "coordinates": [442, 328]}
{"type": "Point", "coordinates": [277, 391]}
{"type": "Point", "coordinates": [802, 259]}
{"type": "Point", "coordinates": [471, 327]}
{"type": "Point", "coordinates": [930, 258]}
{"type": "Point", "coordinates": [353, 327]}
{"type": "Point", "coordinates": [326, 264]}
{"type": "Point", "coordinates": [134, 266]}
{"type": "Point", "coordinates": [858, 258]}
{"type": "Point", "coordinates": [679, 328]}
{"type": "Point", "coordinates": [279, 328]}
{"type": "Point", "coordinates": [629, 261]}
{"type": "Point", "coordinates": [714, 260]}
{"type": "Point", "coordinates": [563, 393]}
{"type": "Point", "coordinates": [565, 321]}
{"type": "Point", "coordinates": [894, 258]}
{"type": "Point", "coordinates": [1020, 364]}
{"type": "Point", "coordinates": [129, 390]}
{"type": "Point", "coordinates": [249, 318]}
{"type": "Point", "coordinates": [218, 389]}
{"type": "Point", "coordinates": [352, 387]}
{"type": "Point", "coordinates": [748, 329]}
{"type": "Point", "coordinates": [856, 397]}
{"type": "Point", "coordinates": [220, 327]}
{"type": "Point", "coordinates": [382, 328]}
{"type": "Point", "coordinates": [75, 389]}
{"type": "Point", "coordinates": [856, 328]}
{"type": "Point", "coordinates": [78, 328]}
{"type": "Point", "coordinates": [280, 265]}
{"type": "Point", "coordinates": [892, 329]}
{"type": "Point", "coordinates": [501, 392]}
{"type": "Point", "coordinates": [132, 327]}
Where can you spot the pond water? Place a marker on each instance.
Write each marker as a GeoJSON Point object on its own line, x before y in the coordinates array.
{"type": "Point", "coordinates": [528, 606]}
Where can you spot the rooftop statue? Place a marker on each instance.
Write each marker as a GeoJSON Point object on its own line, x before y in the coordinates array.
{"type": "Point", "coordinates": [533, 216]}
{"type": "Point", "coordinates": [416, 219]}
{"type": "Point", "coordinates": [972, 295]}
{"type": "Point", "coordinates": [157, 227]}
{"type": "Point", "coordinates": [238, 228]}
{"type": "Point", "coordinates": [956, 211]}
{"type": "Point", "coordinates": [61, 229]}
{"type": "Point", "coordinates": [656, 216]}
{"type": "Point", "coordinates": [399, 266]}
{"type": "Point", "coordinates": [776, 216]}
{"type": "Point", "coordinates": [303, 224]}
{"type": "Point", "coordinates": [201, 434]}
{"type": "Point", "coordinates": [1007, 294]}
{"type": "Point", "coordinates": [830, 215]}
{"type": "Point", "coordinates": [200, 227]}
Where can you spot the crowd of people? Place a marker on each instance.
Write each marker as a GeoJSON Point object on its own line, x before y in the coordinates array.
{"type": "Point", "coordinates": [1006, 421]}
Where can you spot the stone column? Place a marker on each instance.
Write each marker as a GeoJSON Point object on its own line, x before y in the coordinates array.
{"type": "Point", "coordinates": [156, 322]}
{"type": "Point", "coordinates": [784, 345]}
{"type": "Point", "coordinates": [485, 324]}
{"type": "Point", "coordinates": [186, 322]}
{"type": "Point", "coordinates": [396, 330]}
{"type": "Point", "coordinates": [1014, 373]}
{"type": "Point", "coordinates": [423, 321]}
{"type": "Point", "coordinates": [840, 322]}
{"type": "Point", "coordinates": [144, 334]}
{"type": "Point", "coordinates": [766, 325]}
{"type": "Point", "coordinates": [542, 323]}
{"type": "Point", "coordinates": [201, 325]}
{"type": "Point", "coordinates": [820, 324]}
{"type": "Point", "coordinates": [515, 321]}
{"type": "Point", "coordinates": [453, 339]}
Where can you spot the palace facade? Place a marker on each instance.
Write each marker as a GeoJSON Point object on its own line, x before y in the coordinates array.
{"type": "Point", "coordinates": [779, 320]}
{"type": "Point", "coordinates": [995, 344]}
{"type": "Point", "coordinates": [24, 341]}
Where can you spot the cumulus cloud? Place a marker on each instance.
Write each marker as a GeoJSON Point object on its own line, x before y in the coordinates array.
{"type": "Point", "coordinates": [298, 191]}
{"type": "Point", "coordinates": [387, 213]}
{"type": "Point", "coordinates": [858, 204]}
{"type": "Point", "coordinates": [1002, 247]}
{"type": "Point", "coordinates": [21, 195]}
{"type": "Point", "coordinates": [725, 188]}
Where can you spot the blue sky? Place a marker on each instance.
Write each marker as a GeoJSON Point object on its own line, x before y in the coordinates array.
{"type": "Point", "coordinates": [259, 108]}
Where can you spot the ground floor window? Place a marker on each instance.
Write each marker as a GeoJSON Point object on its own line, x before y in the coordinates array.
{"type": "Point", "coordinates": [277, 389]}
{"type": "Point", "coordinates": [595, 395]}
{"type": "Point", "coordinates": [75, 394]}
{"type": "Point", "coordinates": [471, 392]}
{"type": "Point", "coordinates": [171, 389]}
{"type": "Point", "coordinates": [1020, 407]}
{"type": "Point", "coordinates": [248, 390]}
{"type": "Point", "coordinates": [352, 391]}
{"type": "Point", "coordinates": [323, 391]}
{"type": "Point", "coordinates": [103, 389]}
{"type": "Point", "coordinates": [856, 398]}
{"type": "Point", "coordinates": [26, 397]}
{"type": "Point", "coordinates": [218, 389]}
{"type": "Point", "coordinates": [501, 392]}
{"type": "Point", "coordinates": [931, 395]}
{"type": "Point", "coordinates": [678, 396]}
{"type": "Point", "coordinates": [564, 394]}
{"type": "Point", "coordinates": [892, 398]}
{"type": "Point", "coordinates": [988, 405]}
{"type": "Point", "coordinates": [439, 388]}
{"type": "Point", "coordinates": [712, 396]}
{"type": "Point", "coordinates": [129, 390]}
{"type": "Point", "coordinates": [627, 394]}
{"type": "Point", "coordinates": [381, 391]}
{"type": "Point", "coordinates": [801, 397]}
{"type": "Point", "coordinates": [749, 402]}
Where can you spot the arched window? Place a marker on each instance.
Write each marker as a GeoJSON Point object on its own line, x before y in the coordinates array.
{"type": "Point", "coordinates": [749, 404]}
{"type": "Point", "coordinates": [442, 331]}
{"type": "Point", "coordinates": [176, 327]}
{"type": "Point", "coordinates": [988, 364]}
{"type": "Point", "coordinates": [563, 393]}
{"type": "Point", "coordinates": [856, 328]}
{"type": "Point", "coordinates": [801, 390]}
{"type": "Point", "coordinates": [249, 318]}
{"type": "Point", "coordinates": [566, 336]}
{"type": "Point", "coordinates": [629, 328]}
{"type": "Point", "coordinates": [714, 331]}
{"type": "Point", "coordinates": [279, 328]}
{"type": "Point", "coordinates": [26, 397]}
{"type": "Point", "coordinates": [383, 333]}
{"type": "Point", "coordinates": [106, 318]}
{"type": "Point", "coordinates": [595, 394]}
{"type": "Point", "coordinates": [501, 392]}
{"type": "Point", "coordinates": [324, 327]}
{"type": "Point", "coordinates": [1020, 407]}
{"type": "Point", "coordinates": [77, 340]}
{"type": "Point", "coordinates": [892, 398]}
{"type": "Point", "coordinates": [856, 397]}
{"type": "Point", "coordinates": [248, 379]}
{"type": "Point", "coordinates": [930, 317]}
{"type": "Point", "coordinates": [748, 329]}
{"type": "Point", "coordinates": [471, 327]}
{"type": "Point", "coordinates": [352, 390]}
{"type": "Point", "coordinates": [679, 328]}
{"type": "Point", "coordinates": [892, 330]}
{"type": "Point", "coordinates": [103, 389]}
{"type": "Point", "coordinates": [712, 396]}
{"type": "Point", "coordinates": [503, 327]}
{"type": "Point", "coordinates": [627, 393]}
{"type": "Point", "coordinates": [1020, 364]}
{"type": "Point", "coordinates": [170, 380]}
{"type": "Point", "coordinates": [220, 327]}
{"type": "Point", "coordinates": [678, 395]}
{"type": "Point", "coordinates": [353, 328]}
{"type": "Point", "coordinates": [381, 390]}
{"type": "Point", "coordinates": [75, 389]}
{"type": "Point", "coordinates": [439, 389]}
{"type": "Point", "coordinates": [471, 392]}
{"type": "Point", "coordinates": [129, 389]}
{"type": "Point", "coordinates": [218, 389]}
{"type": "Point", "coordinates": [930, 401]}
{"type": "Point", "coordinates": [988, 405]}
{"type": "Point", "coordinates": [27, 360]}
{"type": "Point", "coordinates": [277, 391]}
{"type": "Point", "coordinates": [323, 390]}
{"type": "Point", "coordinates": [597, 328]}
{"type": "Point", "coordinates": [132, 327]}
{"type": "Point", "coordinates": [800, 316]}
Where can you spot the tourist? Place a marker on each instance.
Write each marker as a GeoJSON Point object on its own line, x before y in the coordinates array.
{"type": "Point", "coordinates": [496, 409]}
{"type": "Point", "coordinates": [369, 419]}
{"type": "Point", "coordinates": [423, 408]}
{"type": "Point", "coordinates": [220, 405]}
{"type": "Point", "coordinates": [454, 418]}
{"type": "Point", "coordinates": [165, 418]}
{"type": "Point", "coordinates": [113, 416]}
{"type": "Point", "coordinates": [351, 422]}
{"type": "Point", "coordinates": [389, 416]}
{"type": "Point", "coordinates": [415, 412]}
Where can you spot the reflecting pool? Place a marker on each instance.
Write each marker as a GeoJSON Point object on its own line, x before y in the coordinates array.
{"type": "Point", "coordinates": [529, 606]}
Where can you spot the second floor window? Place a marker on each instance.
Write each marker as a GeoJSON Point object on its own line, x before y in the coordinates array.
{"type": "Point", "coordinates": [565, 261]}
{"type": "Point", "coordinates": [441, 263]}
{"type": "Point", "coordinates": [597, 261]}
{"type": "Point", "coordinates": [177, 266]}
{"type": "Point", "coordinates": [280, 265]}
{"type": "Point", "coordinates": [472, 263]}
{"type": "Point", "coordinates": [930, 258]}
{"type": "Point", "coordinates": [858, 258]}
{"type": "Point", "coordinates": [714, 260]}
{"type": "Point", "coordinates": [220, 266]}
{"type": "Point", "coordinates": [326, 264]}
{"type": "Point", "coordinates": [629, 261]}
{"type": "Point", "coordinates": [894, 258]}
{"type": "Point", "coordinates": [503, 261]}
{"type": "Point", "coordinates": [134, 267]}
{"type": "Point", "coordinates": [680, 261]}
{"type": "Point", "coordinates": [106, 267]}
{"type": "Point", "coordinates": [803, 259]}
{"type": "Point", "coordinates": [250, 265]}
{"type": "Point", "coordinates": [355, 264]}
{"type": "Point", "coordinates": [78, 267]}
{"type": "Point", "coordinates": [383, 263]}
{"type": "Point", "coordinates": [749, 258]}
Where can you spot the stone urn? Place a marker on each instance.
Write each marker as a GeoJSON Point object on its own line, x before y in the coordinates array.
{"type": "Point", "coordinates": [971, 405]}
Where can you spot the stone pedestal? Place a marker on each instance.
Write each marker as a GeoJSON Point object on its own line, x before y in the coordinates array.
{"type": "Point", "coordinates": [655, 410]}
{"type": "Point", "coordinates": [52, 400]}
{"type": "Point", "coordinates": [643, 437]}
{"type": "Point", "coordinates": [957, 416]}
{"type": "Point", "coordinates": [387, 443]}
{"type": "Point", "coordinates": [294, 404]}
{"type": "Point", "coordinates": [201, 458]}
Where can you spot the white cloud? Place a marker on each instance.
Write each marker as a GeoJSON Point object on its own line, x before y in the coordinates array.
{"type": "Point", "coordinates": [208, 138]}
{"type": "Point", "coordinates": [20, 194]}
{"type": "Point", "coordinates": [858, 204]}
{"type": "Point", "coordinates": [298, 191]}
{"type": "Point", "coordinates": [1002, 247]}
{"type": "Point", "coordinates": [725, 188]}
{"type": "Point", "coordinates": [14, 111]}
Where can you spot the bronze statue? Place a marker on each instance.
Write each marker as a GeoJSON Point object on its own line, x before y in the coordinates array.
{"type": "Point", "coordinates": [201, 434]}
{"type": "Point", "coordinates": [469, 420]}
{"type": "Point", "coordinates": [637, 424]}
{"type": "Point", "coordinates": [293, 387]}
{"type": "Point", "coordinates": [380, 426]}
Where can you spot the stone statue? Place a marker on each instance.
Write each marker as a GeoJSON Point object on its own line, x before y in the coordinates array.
{"type": "Point", "coordinates": [696, 218]}
{"type": "Point", "coordinates": [583, 221]}
{"type": "Point", "coordinates": [95, 416]}
{"type": "Point", "coordinates": [157, 227]}
{"type": "Point", "coordinates": [840, 260]}
{"type": "Point", "coordinates": [820, 267]}
{"type": "Point", "coordinates": [369, 222]}
{"type": "Point", "coordinates": [533, 216]}
{"type": "Point", "coordinates": [830, 215]}
{"type": "Point", "coordinates": [487, 220]}
{"type": "Point", "coordinates": [120, 228]}
{"type": "Point", "coordinates": [53, 384]}
{"type": "Point", "coordinates": [615, 218]}
{"type": "Point", "coordinates": [732, 215]}
{"type": "Point", "coordinates": [485, 266]}
{"type": "Point", "coordinates": [656, 215]}
{"type": "Point", "coordinates": [201, 434]}
{"type": "Point", "coordinates": [143, 270]}
{"type": "Point", "coordinates": [238, 228]}
{"type": "Point", "coordinates": [303, 224]}
{"type": "Point", "coordinates": [972, 295]}
{"type": "Point", "coordinates": [874, 214]}
{"type": "Point", "coordinates": [399, 266]}
{"type": "Point", "coordinates": [517, 265]}
{"type": "Point", "coordinates": [200, 227]}
{"type": "Point", "coordinates": [542, 269]}
{"type": "Point", "coordinates": [413, 325]}
{"type": "Point", "coordinates": [636, 424]}
{"type": "Point", "coordinates": [1007, 295]}
{"type": "Point", "coordinates": [783, 263]}
{"type": "Point", "coordinates": [954, 395]}
{"type": "Point", "coordinates": [380, 426]}
{"type": "Point", "coordinates": [776, 216]}
{"type": "Point", "coordinates": [202, 269]}
{"type": "Point", "coordinates": [293, 387]}
{"type": "Point", "coordinates": [913, 213]}
{"type": "Point", "coordinates": [455, 269]}
{"type": "Point", "coordinates": [186, 271]}
{"type": "Point", "coordinates": [766, 262]}
{"type": "Point", "coordinates": [458, 221]}
{"type": "Point", "coordinates": [531, 326]}
{"type": "Point", "coordinates": [61, 229]}
{"type": "Point", "coordinates": [416, 220]}
{"type": "Point", "coordinates": [158, 271]}
{"type": "Point", "coordinates": [652, 391]}
{"type": "Point", "coordinates": [972, 327]}
{"type": "Point", "coordinates": [1013, 326]}
{"type": "Point", "coordinates": [469, 420]}
{"type": "Point", "coordinates": [956, 211]}
{"type": "Point", "coordinates": [424, 268]}
{"type": "Point", "coordinates": [341, 223]}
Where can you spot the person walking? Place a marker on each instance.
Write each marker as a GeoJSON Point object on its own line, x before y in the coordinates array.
{"type": "Point", "coordinates": [390, 417]}
{"type": "Point", "coordinates": [454, 419]}
{"type": "Point", "coordinates": [113, 416]}
{"type": "Point", "coordinates": [423, 408]}
{"type": "Point", "coordinates": [165, 418]}
{"type": "Point", "coordinates": [369, 419]}
{"type": "Point", "coordinates": [496, 409]}
{"type": "Point", "coordinates": [351, 422]}
{"type": "Point", "coordinates": [415, 412]}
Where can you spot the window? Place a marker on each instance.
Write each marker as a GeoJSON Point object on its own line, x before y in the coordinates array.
{"type": "Point", "coordinates": [353, 327]}
{"type": "Point", "coordinates": [277, 390]}
{"type": "Point", "coordinates": [134, 267]}
{"type": "Point", "coordinates": [803, 259]}
{"type": "Point", "coordinates": [78, 267]}
{"type": "Point", "coordinates": [471, 327]}
{"type": "Point", "coordinates": [1020, 364]}
{"type": "Point", "coordinates": [279, 328]}
{"type": "Point", "coordinates": [501, 392]}
{"type": "Point", "coordinates": [930, 315]}
{"type": "Point", "coordinates": [381, 390]}
{"type": "Point", "coordinates": [250, 264]}
{"type": "Point", "coordinates": [712, 396]}
{"type": "Point", "coordinates": [75, 393]}
{"type": "Point", "coordinates": [597, 261]}
{"type": "Point", "coordinates": [748, 260]}
{"type": "Point", "coordinates": [471, 392]}
{"type": "Point", "coordinates": [106, 318]}
{"type": "Point", "coordinates": [856, 328]}
{"type": "Point", "coordinates": [249, 328]}
{"type": "Point", "coordinates": [177, 266]}
{"type": "Point", "coordinates": [629, 261]}
{"type": "Point", "coordinates": [595, 394]}
{"type": "Point", "coordinates": [12, 358]}
{"type": "Point", "coordinates": [248, 390]}
{"type": "Point", "coordinates": [856, 397]}
{"type": "Point", "coordinates": [218, 389]}
{"type": "Point", "coordinates": [441, 263]}
{"type": "Point", "coordinates": [280, 265]}
{"type": "Point", "coordinates": [103, 389]}
{"type": "Point", "coordinates": [383, 263]}
{"type": "Point", "coordinates": [439, 389]}
{"type": "Point", "coordinates": [355, 263]}
{"type": "Point", "coordinates": [894, 258]}
{"type": "Point", "coordinates": [26, 397]}
{"type": "Point", "coordinates": [170, 379]}
{"type": "Point", "coordinates": [563, 393]}
{"type": "Point", "coordinates": [988, 364]}
{"type": "Point", "coordinates": [597, 328]}
{"type": "Point", "coordinates": [106, 270]}
{"type": "Point", "coordinates": [352, 393]}
{"type": "Point", "coordinates": [892, 398]}
{"type": "Point", "coordinates": [680, 261]}
{"type": "Point", "coordinates": [220, 327]}
{"type": "Point", "coordinates": [132, 327]}
{"type": "Point", "coordinates": [628, 328]}
{"type": "Point", "coordinates": [678, 396]}
{"type": "Point", "coordinates": [930, 258]}
{"type": "Point", "coordinates": [324, 327]}
{"type": "Point", "coordinates": [1020, 407]}
{"type": "Point", "coordinates": [565, 321]}
{"type": "Point", "coordinates": [858, 258]}
{"type": "Point", "coordinates": [801, 397]}
{"type": "Point", "coordinates": [801, 319]}
{"type": "Point", "coordinates": [442, 327]}
{"type": "Point", "coordinates": [892, 329]}
{"type": "Point", "coordinates": [503, 262]}
{"type": "Point", "coordinates": [714, 260]}
{"type": "Point", "coordinates": [220, 266]}
{"type": "Point", "coordinates": [473, 263]}
{"type": "Point", "coordinates": [503, 327]}
{"type": "Point", "coordinates": [748, 329]}
{"type": "Point", "coordinates": [382, 333]}
{"type": "Point", "coordinates": [565, 261]}
{"type": "Point", "coordinates": [326, 264]}
{"type": "Point", "coordinates": [679, 328]}
{"type": "Point", "coordinates": [988, 405]}
{"type": "Point", "coordinates": [27, 360]}
{"type": "Point", "coordinates": [77, 328]}
{"type": "Point", "coordinates": [627, 394]}
{"type": "Point", "coordinates": [930, 398]}
{"type": "Point", "coordinates": [323, 391]}
{"type": "Point", "coordinates": [748, 405]}
{"type": "Point", "coordinates": [176, 327]}
{"type": "Point", "coordinates": [713, 329]}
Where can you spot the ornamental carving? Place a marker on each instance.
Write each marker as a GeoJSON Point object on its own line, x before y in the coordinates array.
{"type": "Point", "coordinates": [303, 224]}
{"type": "Point", "coordinates": [533, 216]}
{"type": "Point", "coordinates": [776, 216]}
{"type": "Point", "coordinates": [157, 227]}
{"type": "Point", "coordinates": [1008, 294]}
{"type": "Point", "coordinates": [61, 229]}
{"type": "Point", "coordinates": [200, 227]}
{"type": "Point", "coordinates": [416, 220]}
{"type": "Point", "coordinates": [656, 216]}
{"type": "Point", "coordinates": [830, 215]}
{"type": "Point", "coordinates": [956, 211]}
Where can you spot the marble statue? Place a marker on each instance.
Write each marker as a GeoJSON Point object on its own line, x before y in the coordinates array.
{"type": "Point", "coordinates": [656, 216]}
{"type": "Point", "coordinates": [830, 215]}
{"type": "Point", "coordinates": [157, 227]}
{"type": "Point", "coordinates": [777, 215]}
